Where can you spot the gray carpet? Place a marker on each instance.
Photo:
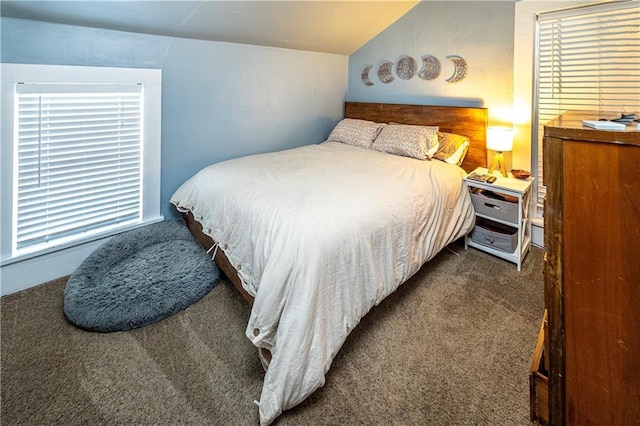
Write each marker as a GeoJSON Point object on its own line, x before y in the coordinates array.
{"type": "Point", "coordinates": [139, 277]}
{"type": "Point", "coordinates": [451, 347]}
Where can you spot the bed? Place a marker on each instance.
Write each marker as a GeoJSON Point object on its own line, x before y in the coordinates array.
{"type": "Point", "coordinates": [314, 237]}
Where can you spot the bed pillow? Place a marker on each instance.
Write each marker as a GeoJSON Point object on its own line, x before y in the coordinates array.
{"type": "Point", "coordinates": [419, 142]}
{"type": "Point", "coordinates": [355, 132]}
{"type": "Point", "coordinates": [453, 148]}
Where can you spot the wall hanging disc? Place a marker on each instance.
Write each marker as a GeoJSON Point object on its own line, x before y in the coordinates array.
{"type": "Point", "coordinates": [384, 72]}
{"type": "Point", "coordinates": [406, 67]}
{"type": "Point", "coordinates": [460, 71]}
{"type": "Point", "coordinates": [365, 75]}
{"type": "Point", "coordinates": [431, 68]}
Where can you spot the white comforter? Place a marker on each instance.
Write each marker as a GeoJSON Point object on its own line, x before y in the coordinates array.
{"type": "Point", "coordinates": [319, 235]}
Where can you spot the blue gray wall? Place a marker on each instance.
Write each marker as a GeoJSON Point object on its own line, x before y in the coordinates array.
{"type": "Point", "coordinates": [219, 101]}
{"type": "Point", "coordinates": [481, 32]}
{"type": "Point", "coordinates": [224, 100]}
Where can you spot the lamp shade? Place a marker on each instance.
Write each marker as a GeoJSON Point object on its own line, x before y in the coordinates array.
{"type": "Point", "coordinates": [500, 138]}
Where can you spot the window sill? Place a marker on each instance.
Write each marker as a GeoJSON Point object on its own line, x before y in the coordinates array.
{"type": "Point", "coordinates": [20, 273]}
{"type": "Point", "coordinates": [76, 242]}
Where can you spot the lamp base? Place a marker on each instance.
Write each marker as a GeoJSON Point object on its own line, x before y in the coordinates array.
{"type": "Point", "coordinates": [498, 161]}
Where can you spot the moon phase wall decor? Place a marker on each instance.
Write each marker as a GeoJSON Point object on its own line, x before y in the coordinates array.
{"type": "Point", "coordinates": [460, 71]}
{"type": "Point", "coordinates": [431, 68]}
{"type": "Point", "coordinates": [384, 72]}
{"type": "Point", "coordinates": [365, 75]}
{"type": "Point", "coordinates": [407, 66]}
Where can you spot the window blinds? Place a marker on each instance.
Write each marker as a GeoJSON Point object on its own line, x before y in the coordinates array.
{"type": "Point", "coordinates": [78, 151]}
{"type": "Point", "coordinates": [587, 59]}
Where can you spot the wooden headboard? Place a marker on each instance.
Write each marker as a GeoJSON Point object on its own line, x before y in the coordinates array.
{"type": "Point", "coordinates": [467, 121]}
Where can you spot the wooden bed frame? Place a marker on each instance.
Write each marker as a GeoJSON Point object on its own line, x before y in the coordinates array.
{"type": "Point", "coordinates": [467, 121]}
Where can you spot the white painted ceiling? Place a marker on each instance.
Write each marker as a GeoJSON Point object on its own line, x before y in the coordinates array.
{"type": "Point", "coordinates": [339, 27]}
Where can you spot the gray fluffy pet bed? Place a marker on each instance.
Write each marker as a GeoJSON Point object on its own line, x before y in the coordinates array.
{"type": "Point", "coordinates": [139, 277]}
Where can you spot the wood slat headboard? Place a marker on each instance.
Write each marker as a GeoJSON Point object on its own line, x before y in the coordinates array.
{"type": "Point", "coordinates": [467, 121]}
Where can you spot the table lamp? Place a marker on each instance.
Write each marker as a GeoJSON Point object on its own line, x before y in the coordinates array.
{"type": "Point", "coordinates": [499, 139]}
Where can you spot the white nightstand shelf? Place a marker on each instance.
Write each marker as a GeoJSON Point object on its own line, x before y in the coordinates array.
{"type": "Point", "coordinates": [503, 216]}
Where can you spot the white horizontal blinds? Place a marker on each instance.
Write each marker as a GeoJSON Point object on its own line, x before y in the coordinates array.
{"type": "Point", "coordinates": [79, 160]}
{"type": "Point", "coordinates": [587, 59]}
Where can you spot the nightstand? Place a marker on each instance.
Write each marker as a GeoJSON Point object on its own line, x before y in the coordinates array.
{"type": "Point", "coordinates": [503, 222]}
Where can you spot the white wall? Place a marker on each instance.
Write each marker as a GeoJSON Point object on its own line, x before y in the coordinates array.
{"type": "Point", "coordinates": [523, 47]}
{"type": "Point", "coordinates": [525, 150]}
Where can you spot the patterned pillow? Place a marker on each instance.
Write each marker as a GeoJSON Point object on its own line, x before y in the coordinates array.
{"type": "Point", "coordinates": [410, 141]}
{"type": "Point", "coordinates": [356, 132]}
{"type": "Point", "coordinates": [453, 148]}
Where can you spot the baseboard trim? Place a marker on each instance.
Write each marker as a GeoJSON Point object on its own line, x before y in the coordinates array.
{"type": "Point", "coordinates": [537, 233]}
{"type": "Point", "coordinates": [35, 271]}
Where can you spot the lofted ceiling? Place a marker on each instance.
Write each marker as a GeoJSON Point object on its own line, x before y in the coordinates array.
{"type": "Point", "coordinates": [329, 26]}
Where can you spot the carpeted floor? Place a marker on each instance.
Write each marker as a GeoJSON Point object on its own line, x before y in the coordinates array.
{"type": "Point", "coordinates": [452, 346]}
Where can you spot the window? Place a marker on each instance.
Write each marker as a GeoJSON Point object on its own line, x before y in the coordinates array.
{"type": "Point", "coordinates": [586, 58]}
{"type": "Point", "coordinates": [78, 161]}
{"type": "Point", "coordinates": [85, 154]}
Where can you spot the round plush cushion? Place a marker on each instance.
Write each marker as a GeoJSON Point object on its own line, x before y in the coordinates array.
{"type": "Point", "coordinates": [139, 277]}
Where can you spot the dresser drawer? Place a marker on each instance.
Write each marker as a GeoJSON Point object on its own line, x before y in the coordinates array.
{"type": "Point", "coordinates": [496, 235]}
{"type": "Point", "coordinates": [495, 205]}
{"type": "Point", "coordinates": [539, 381]}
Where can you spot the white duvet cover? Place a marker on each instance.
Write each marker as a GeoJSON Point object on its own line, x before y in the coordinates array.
{"type": "Point", "coordinates": [319, 235]}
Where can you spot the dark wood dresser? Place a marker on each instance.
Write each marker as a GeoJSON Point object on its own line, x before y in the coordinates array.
{"type": "Point", "coordinates": [592, 272]}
